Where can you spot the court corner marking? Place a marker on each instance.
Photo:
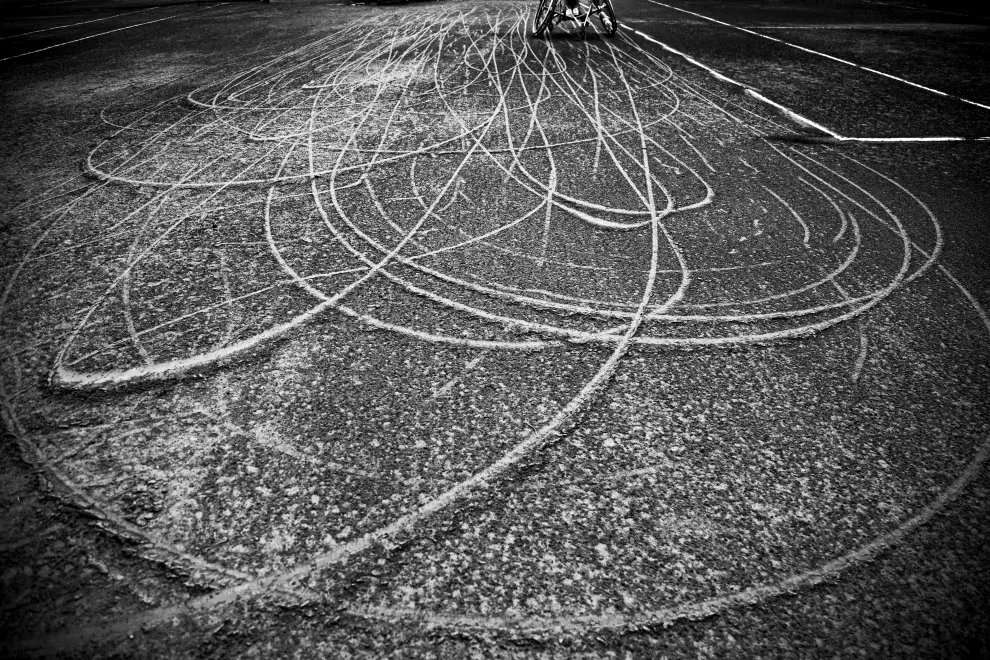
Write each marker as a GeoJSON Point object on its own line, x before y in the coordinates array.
{"type": "Point", "coordinates": [827, 133]}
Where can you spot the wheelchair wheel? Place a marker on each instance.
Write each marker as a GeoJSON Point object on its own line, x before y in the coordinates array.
{"type": "Point", "coordinates": [543, 17]}
{"type": "Point", "coordinates": [606, 15]}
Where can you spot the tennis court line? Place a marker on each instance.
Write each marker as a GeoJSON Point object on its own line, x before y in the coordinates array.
{"type": "Point", "coordinates": [825, 55]}
{"type": "Point", "coordinates": [60, 27]}
{"type": "Point", "coordinates": [790, 114]}
{"type": "Point", "coordinates": [923, 9]}
{"type": "Point", "coordinates": [100, 34]}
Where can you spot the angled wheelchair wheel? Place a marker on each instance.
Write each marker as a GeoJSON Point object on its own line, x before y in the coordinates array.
{"type": "Point", "coordinates": [543, 17]}
{"type": "Point", "coordinates": [606, 15]}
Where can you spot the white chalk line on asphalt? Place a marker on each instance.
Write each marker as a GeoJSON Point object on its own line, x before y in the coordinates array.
{"type": "Point", "coordinates": [435, 194]}
{"type": "Point", "coordinates": [125, 377]}
{"type": "Point", "coordinates": [790, 114]}
{"type": "Point", "coordinates": [102, 34]}
{"type": "Point", "coordinates": [231, 182]}
{"type": "Point", "coordinates": [827, 56]}
{"type": "Point", "coordinates": [923, 9]}
{"type": "Point", "coordinates": [62, 27]}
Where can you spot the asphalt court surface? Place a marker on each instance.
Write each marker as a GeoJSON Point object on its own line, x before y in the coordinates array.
{"type": "Point", "coordinates": [395, 331]}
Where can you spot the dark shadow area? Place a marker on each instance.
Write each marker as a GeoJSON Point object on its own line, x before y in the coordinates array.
{"type": "Point", "coordinates": [573, 35]}
{"type": "Point", "coordinates": [31, 9]}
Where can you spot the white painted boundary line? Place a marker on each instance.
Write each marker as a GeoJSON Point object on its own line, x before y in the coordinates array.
{"type": "Point", "coordinates": [577, 623]}
{"type": "Point", "coordinates": [825, 55]}
{"type": "Point", "coordinates": [790, 114]}
{"type": "Point", "coordinates": [100, 34]}
{"type": "Point", "coordinates": [793, 116]}
{"type": "Point", "coordinates": [922, 9]}
{"type": "Point", "coordinates": [62, 27]}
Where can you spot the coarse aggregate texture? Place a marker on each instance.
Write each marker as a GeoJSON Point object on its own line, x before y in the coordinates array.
{"type": "Point", "coordinates": [796, 69]}
{"type": "Point", "coordinates": [397, 332]}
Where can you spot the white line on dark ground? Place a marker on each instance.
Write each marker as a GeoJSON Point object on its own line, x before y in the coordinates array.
{"type": "Point", "coordinates": [62, 27]}
{"type": "Point", "coordinates": [225, 102]}
{"type": "Point", "coordinates": [101, 34]}
{"type": "Point", "coordinates": [875, 27]}
{"type": "Point", "coordinates": [925, 9]}
{"type": "Point", "coordinates": [825, 55]}
{"type": "Point", "coordinates": [790, 114]}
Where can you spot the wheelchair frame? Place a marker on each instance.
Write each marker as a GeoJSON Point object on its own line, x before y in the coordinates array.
{"type": "Point", "coordinates": [551, 13]}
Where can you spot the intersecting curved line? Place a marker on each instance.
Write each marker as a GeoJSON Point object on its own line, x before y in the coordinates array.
{"type": "Point", "coordinates": [628, 332]}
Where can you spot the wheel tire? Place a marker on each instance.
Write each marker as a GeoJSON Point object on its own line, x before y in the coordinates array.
{"type": "Point", "coordinates": [543, 17]}
{"type": "Point", "coordinates": [607, 17]}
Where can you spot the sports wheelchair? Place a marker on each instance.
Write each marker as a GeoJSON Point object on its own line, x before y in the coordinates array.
{"type": "Point", "coordinates": [552, 12]}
